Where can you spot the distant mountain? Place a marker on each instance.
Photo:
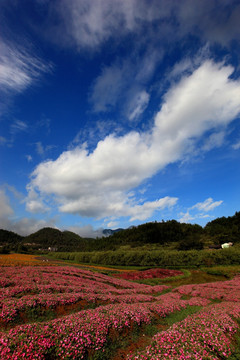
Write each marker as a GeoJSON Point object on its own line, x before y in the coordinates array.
{"type": "Point", "coordinates": [109, 232]}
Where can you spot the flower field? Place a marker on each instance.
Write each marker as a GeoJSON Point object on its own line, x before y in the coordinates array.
{"type": "Point", "coordinates": [149, 274]}
{"type": "Point", "coordinates": [63, 312]}
{"type": "Point", "coordinates": [19, 260]}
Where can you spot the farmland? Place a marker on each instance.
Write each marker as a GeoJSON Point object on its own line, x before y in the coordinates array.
{"type": "Point", "coordinates": [50, 311]}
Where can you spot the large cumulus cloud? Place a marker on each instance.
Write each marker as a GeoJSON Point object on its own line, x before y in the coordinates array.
{"type": "Point", "coordinates": [101, 183]}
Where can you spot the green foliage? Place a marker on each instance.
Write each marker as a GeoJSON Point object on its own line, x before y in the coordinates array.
{"type": "Point", "coordinates": [146, 240]}
{"type": "Point", "coordinates": [181, 315]}
{"type": "Point", "coordinates": [227, 271]}
{"type": "Point", "coordinates": [190, 242]}
{"type": "Point", "coordinates": [21, 249]}
{"type": "Point", "coordinates": [159, 258]}
{"type": "Point", "coordinates": [224, 229]}
{"type": "Point", "coordinates": [151, 330]}
{"type": "Point", "coordinates": [54, 238]}
{"type": "Point", "coordinates": [9, 241]}
{"type": "Point", "coordinates": [4, 249]}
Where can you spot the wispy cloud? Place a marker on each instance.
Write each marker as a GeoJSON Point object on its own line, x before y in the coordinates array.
{"type": "Point", "coordinates": [89, 24]}
{"type": "Point", "coordinates": [41, 149]}
{"type": "Point", "coordinates": [18, 126]}
{"type": "Point", "coordinates": [214, 140]}
{"type": "Point", "coordinates": [3, 140]}
{"type": "Point", "coordinates": [99, 183]}
{"type": "Point", "coordinates": [18, 68]}
{"type": "Point", "coordinates": [207, 205]}
{"type": "Point", "coordinates": [123, 85]}
{"type": "Point", "coordinates": [202, 208]}
{"type": "Point", "coordinates": [29, 158]}
{"type": "Point", "coordinates": [138, 104]}
{"type": "Point", "coordinates": [236, 146]}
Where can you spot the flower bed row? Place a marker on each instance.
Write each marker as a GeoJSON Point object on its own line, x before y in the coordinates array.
{"type": "Point", "coordinates": [74, 336]}
{"type": "Point", "coordinates": [149, 274]}
{"type": "Point", "coordinates": [221, 290]}
{"type": "Point", "coordinates": [205, 335]}
{"type": "Point", "coordinates": [26, 288]}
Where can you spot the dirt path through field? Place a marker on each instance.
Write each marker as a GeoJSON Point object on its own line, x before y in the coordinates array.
{"type": "Point", "coordinates": [142, 342]}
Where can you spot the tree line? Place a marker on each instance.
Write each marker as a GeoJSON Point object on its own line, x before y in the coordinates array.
{"type": "Point", "coordinates": [168, 234]}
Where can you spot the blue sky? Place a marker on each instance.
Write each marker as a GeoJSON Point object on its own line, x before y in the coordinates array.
{"type": "Point", "coordinates": [118, 112]}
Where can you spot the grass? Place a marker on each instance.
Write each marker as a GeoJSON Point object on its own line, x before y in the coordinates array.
{"type": "Point", "coordinates": [190, 276]}
{"type": "Point", "coordinates": [227, 271]}
{"type": "Point", "coordinates": [181, 315]}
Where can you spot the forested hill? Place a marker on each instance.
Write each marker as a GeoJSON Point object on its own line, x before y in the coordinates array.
{"type": "Point", "coordinates": [44, 240]}
{"type": "Point", "coordinates": [166, 233]}
{"type": "Point", "coordinates": [187, 236]}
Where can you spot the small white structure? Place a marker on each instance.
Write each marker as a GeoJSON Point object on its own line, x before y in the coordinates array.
{"type": "Point", "coordinates": [226, 245]}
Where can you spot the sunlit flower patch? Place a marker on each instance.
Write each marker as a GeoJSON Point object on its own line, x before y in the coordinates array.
{"type": "Point", "coordinates": [105, 306]}
{"type": "Point", "coordinates": [19, 260]}
{"type": "Point", "coordinates": [25, 288]}
{"type": "Point", "coordinates": [205, 335]}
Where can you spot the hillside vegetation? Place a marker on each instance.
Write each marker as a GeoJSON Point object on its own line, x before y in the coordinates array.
{"type": "Point", "coordinates": [170, 235]}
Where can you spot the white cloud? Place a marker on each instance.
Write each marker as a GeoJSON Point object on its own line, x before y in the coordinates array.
{"type": "Point", "coordinates": [186, 217]}
{"type": "Point", "coordinates": [8, 220]}
{"type": "Point", "coordinates": [35, 206]}
{"type": "Point", "coordinates": [207, 205]}
{"type": "Point", "coordinates": [205, 100]}
{"type": "Point", "coordinates": [34, 203]}
{"type": "Point", "coordinates": [144, 211]}
{"type": "Point", "coordinates": [97, 184]}
{"type": "Point", "coordinates": [86, 231]}
{"type": "Point", "coordinates": [5, 207]}
{"type": "Point", "coordinates": [112, 224]}
{"type": "Point", "coordinates": [26, 226]}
